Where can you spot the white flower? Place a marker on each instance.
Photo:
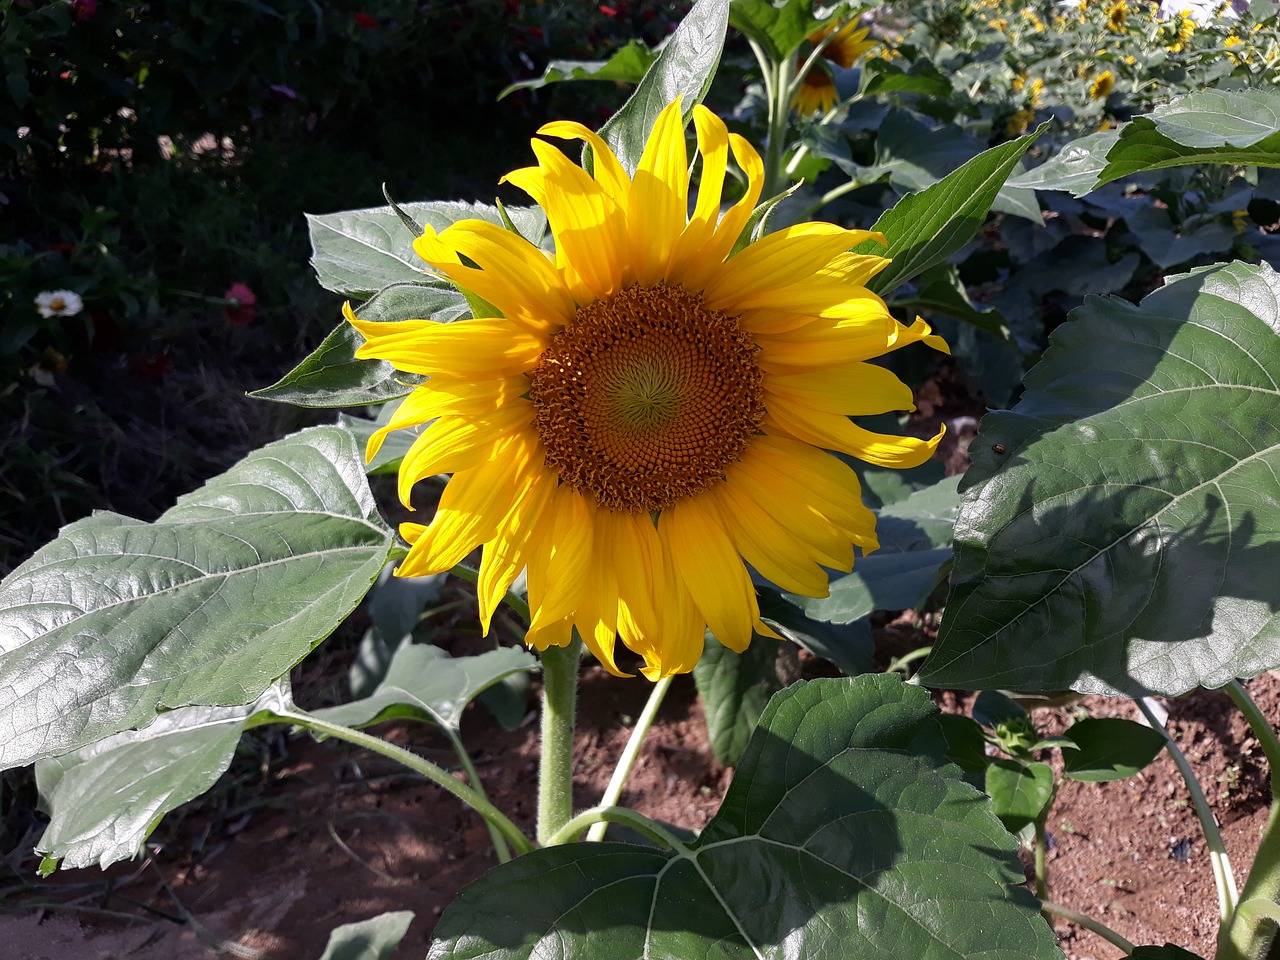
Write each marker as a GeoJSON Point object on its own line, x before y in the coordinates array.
{"type": "Point", "coordinates": [59, 303]}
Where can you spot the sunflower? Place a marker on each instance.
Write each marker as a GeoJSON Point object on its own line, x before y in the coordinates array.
{"type": "Point", "coordinates": [648, 412]}
{"type": "Point", "coordinates": [1102, 85]}
{"type": "Point", "coordinates": [847, 44]}
{"type": "Point", "coordinates": [816, 92]}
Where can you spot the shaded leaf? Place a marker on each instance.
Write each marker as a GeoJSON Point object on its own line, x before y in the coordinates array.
{"type": "Point", "coordinates": [734, 688]}
{"type": "Point", "coordinates": [1120, 528]}
{"type": "Point", "coordinates": [425, 683]}
{"type": "Point", "coordinates": [117, 620]}
{"type": "Point", "coordinates": [1109, 748]}
{"type": "Point", "coordinates": [372, 939]}
{"type": "Point", "coordinates": [847, 645]}
{"type": "Point", "coordinates": [992, 708]}
{"type": "Point", "coordinates": [844, 836]}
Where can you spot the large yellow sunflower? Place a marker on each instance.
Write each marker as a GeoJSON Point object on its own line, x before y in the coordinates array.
{"type": "Point", "coordinates": [650, 412]}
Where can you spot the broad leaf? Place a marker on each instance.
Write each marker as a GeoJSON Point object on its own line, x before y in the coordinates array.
{"type": "Point", "coordinates": [1239, 127]}
{"type": "Point", "coordinates": [1120, 529]}
{"type": "Point", "coordinates": [1019, 792]}
{"type": "Point", "coordinates": [331, 376]}
{"type": "Point", "coordinates": [927, 227]}
{"type": "Point", "coordinates": [992, 708]}
{"type": "Point", "coordinates": [425, 683]}
{"type": "Point", "coordinates": [358, 252]}
{"type": "Point", "coordinates": [104, 800]}
{"type": "Point", "coordinates": [941, 291]}
{"type": "Point", "coordinates": [118, 620]}
{"type": "Point", "coordinates": [844, 836]}
{"type": "Point", "coordinates": [778, 29]}
{"type": "Point", "coordinates": [734, 688]}
{"type": "Point", "coordinates": [847, 645]}
{"type": "Point", "coordinates": [372, 939]}
{"type": "Point", "coordinates": [1109, 748]}
{"type": "Point", "coordinates": [628, 65]}
{"type": "Point", "coordinates": [683, 69]}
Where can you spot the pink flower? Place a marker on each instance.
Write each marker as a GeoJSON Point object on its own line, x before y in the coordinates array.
{"type": "Point", "coordinates": [241, 304]}
{"type": "Point", "coordinates": [282, 92]}
{"type": "Point", "coordinates": [84, 9]}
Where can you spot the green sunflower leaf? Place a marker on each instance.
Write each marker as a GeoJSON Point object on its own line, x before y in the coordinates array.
{"type": "Point", "coordinates": [331, 376]}
{"type": "Point", "coordinates": [104, 800]}
{"type": "Point", "coordinates": [358, 252]}
{"type": "Point", "coordinates": [845, 835]}
{"type": "Point", "coordinates": [1109, 748]}
{"type": "Point", "coordinates": [1120, 529]}
{"type": "Point", "coordinates": [684, 69]}
{"type": "Point", "coordinates": [372, 939]}
{"type": "Point", "coordinates": [425, 683]}
{"type": "Point", "coordinates": [926, 228]}
{"type": "Point", "coordinates": [734, 688]}
{"type": "Point", "coordinates": [1019, 792]}
{"type": "Point", "coordinates": [1239, 127]}
{"type": "Point", "coordinates": [628, 65]}
{"type": "Point", "coordinates": [118, 620]}
{"type": "Point", "coordinates": [778, 28]}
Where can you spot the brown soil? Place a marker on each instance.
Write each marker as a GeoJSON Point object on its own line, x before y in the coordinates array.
{"type": "Point", "coordinates": [337, 836]}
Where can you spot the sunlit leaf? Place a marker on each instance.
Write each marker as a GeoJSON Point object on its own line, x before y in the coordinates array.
{"type": "Point", "coordinates": [1019, 792]}
{"type": "Point", "coordinates": [628, 65]}
{"type": "Point", "coordinates": [1121, 525]}
{"type": "Point", "coordinates": [844, 836]}
{"type": "Point", "coordinates": [779, 29]}
{"type": "Point", "coordinates": [118, 620]}
{"type": "Point", "coordinates": [372, 939]}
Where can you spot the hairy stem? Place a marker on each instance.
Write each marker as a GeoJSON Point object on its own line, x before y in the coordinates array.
{"type": "Point", "coordinates": [500, 848]}
{"type": "Point", "coordinates": [624, 815]}
{"type": "Point", "coordinates": [437, 775]}
{"type": "Point", "coordinates": [555, 769]}
{"type": "Point", "coordinates": [629, 754]}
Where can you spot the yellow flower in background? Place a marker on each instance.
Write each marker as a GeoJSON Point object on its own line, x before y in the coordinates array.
{"type": "Point", "coordinates": [816, 94]}
{"type": "Point", "coordinates": [1102, 86]}
{"type": "Point", "coordinates": [1116, 15]}
{"type": "Point", "coordinates": [847, 45]}
{"type": "Point", "coordinates": [817, 91]}
{"type": "Point", "coordinates": [649, 412]}
{"type": "Point", "coordinates": [1035, 92]}
{"type": "Point", "coordinates": [1185, 28]}
{"type": "Point", "coordinates": [1000, 23]}
{"type": "Point", "coordinates": [1019, 122]}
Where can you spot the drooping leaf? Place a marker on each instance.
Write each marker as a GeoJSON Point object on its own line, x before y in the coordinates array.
{"type": "Point", "coordinates": [1109, 748]}
{"type": "Point", "coordinates": [104, 800]}
{"type": "Point", "coordinates": [117, 619]}
{"type": "Point", "coordinates": [734, 688]}
{"type": "Point", "coordinates": [1240, 127]}
{"type": "Point", "coordinates": [425, 683]}
{"type": "Point", "coordinates": [358, 252]}
{"type": "Point", "coordinates": [684, 68]}
{"type": "Point", "coordinates": [927, 227]}
{"type": "Point", "coordinates": [372, 939]}
{"type": "Point", "coordinates": [1019, 792]}
{"type": "Point", "coordinates": [1120, 529]}
{"type": "Point", "coordinates": [331, 376]}
{"type": "Point", "coordinates": [844, 836]}
{"type": "Point", "coordinates": [627, 65]}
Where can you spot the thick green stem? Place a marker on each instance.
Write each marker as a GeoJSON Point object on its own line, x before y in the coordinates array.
{"type": "Point", "coordinates": [555, 770]}
{"type": "Point", "coordinates": [629, 753]}
{"type": "Point", "coordinates": [779, 115]}
{"type": "Point", "coordinates": [1080, 920]}
{"type": "Point", "coordinates": [1223, 878]}
{"type": "Point", "coordinates": [1248, 933]}
{"type": "Point", "coordinates": [624, 815]}
{"type": "Point", "coordinates": [500, 848]}
{"type": "Point", "coordinates": [1042, 885]}
{"type": "Point", "coordinates": [437, 775]}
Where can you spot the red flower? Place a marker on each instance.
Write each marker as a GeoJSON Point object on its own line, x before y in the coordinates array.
{"type": "Point", "coordinates": [607, 11]}
{"type": "Point", "coordinates": [242, 304]}
{"type": "Point", "coordinates": [84, 9]}
{"type": "Point", "coordinates": [367, 21]}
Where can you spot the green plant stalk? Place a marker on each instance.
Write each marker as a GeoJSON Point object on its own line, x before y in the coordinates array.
{"type": "Point", "coordinates": [1042, 884]}
{"type": "Point", "coordinates": [629, 754]}
{"type": "Point", "coordinates": [777, 86]}
{"type": "Point", "coordinates": [609, 814]}
{"type": "Point", "coordinates": [437, 775]}
{"type": "Point", "coordinates": [1223, 879]}
{"type": "Point", "coordinates": [1101, 929]}
{"type": "Point", "coordinates": [555, 767]}
{"type": "Point", "coordinates": [500, 848]}
{"type": "Point", "coordinates": [1247, 934]}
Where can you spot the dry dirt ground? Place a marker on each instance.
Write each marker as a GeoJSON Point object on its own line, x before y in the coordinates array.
{"type": "Point", "coordinates": [326, 835]}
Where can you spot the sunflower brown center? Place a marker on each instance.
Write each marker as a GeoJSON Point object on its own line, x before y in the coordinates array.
{"type": "Point", "coordinates": [647, 398]}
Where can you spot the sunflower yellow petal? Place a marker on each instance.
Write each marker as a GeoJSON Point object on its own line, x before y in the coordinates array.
{"type": "Point", "coordinates": [491, 347]}
{"type": "Point", "coordinates": [853, 389]}
{"type": "Point", "coordinates": [452, 444]}
{"type": "Point", "coordinates": [513, 275]}
{"type": "Point", "coordinates": [766, 545]}
{"type": "Point", "coordinates": [702, 265]}
{"type": "Point", "coordinates": [713, 146]}
{"type": "Point", "coordinates": [824, 342]}
{"type": "Point", "coordinates": [559, 557]}
{"type": "Point", "coordinates": [607, 171]}
{"type": "Point", "coordinates": [444, 396]}
{"type": "Point", "coordinates": [659, 199]}
{"type": "Point", "coordinates": [917, 332]}
{"type": "Point", "coordinates": [597, 615]}
{"type": "Point", "coordinates": [835, 432]}
{"type": "Point", "coordinates": [708, 564]}
{"type": "Point", "coordinates": [505, 555]}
